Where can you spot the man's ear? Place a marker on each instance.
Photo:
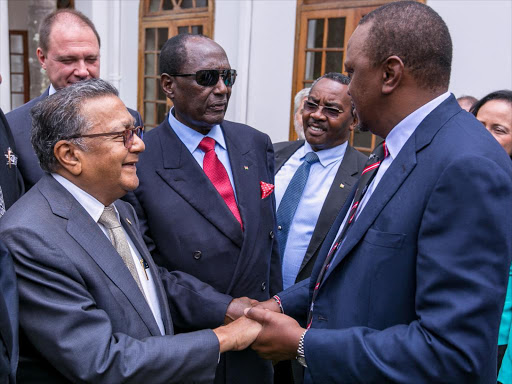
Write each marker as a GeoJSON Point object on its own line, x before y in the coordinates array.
{"type": "Point", "coordinates": [167, 84]}
{"type": "Point", "coordinates": [41, 57]}
{"type": "Point", "coordinates": [392, 72]}
{"type": "Point", "coordinates": [69, 156]}
{"type": "Point", "coordinates": [354, 123]}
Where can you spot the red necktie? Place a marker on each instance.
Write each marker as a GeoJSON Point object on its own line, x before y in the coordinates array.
{"type": "Point", "coordinates": [218, 176]}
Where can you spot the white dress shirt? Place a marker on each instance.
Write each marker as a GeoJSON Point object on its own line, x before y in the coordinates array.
{"type": "Point", "coordinates": [320, 179]}
{"type": "Point", "coordinates": [395, 141]}
{"type": "Point", "coordinates": [95, 209]}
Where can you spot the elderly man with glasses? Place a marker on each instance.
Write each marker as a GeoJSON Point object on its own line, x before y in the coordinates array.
{"type": "Point", "coordinates": [205, 200]}
{"type": "Point", "coordinates": [94, 307]}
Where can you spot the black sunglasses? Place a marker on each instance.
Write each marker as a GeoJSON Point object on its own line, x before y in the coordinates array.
{"type": "Point", "coordinates": [127, 135]}
{"type": "Point", "coordinates": [330, 112]}
{"type": "Point", "coordinates": [210, 77]}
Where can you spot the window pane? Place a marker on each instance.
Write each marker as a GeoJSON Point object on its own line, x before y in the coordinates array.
{"type": "Point", "coordinates": [336, 32]}
{"type": "Point", "coordinates": [149, 64]}
{"type": "Point", "coordinates": [17, 100]}
{"type": "Point", "coordinates": [162, 110]}
{"type": "Point", "coordinates": [333, 62]}
{"type": "Point", "coordinates": [313, 65]}
{"type": "Point", "coordinates": [167, 5]}
{"type": "Point", "coordinates": [182, 30]}
{"type": "Point", "coordinates": [362, 139]}
{"type": "Point", "coordinates": [154, 5]}
{"type": "Point", "coordinates": [149, 89]}
{"type": "Point", "coordinates": [16, 63]}
{"type": "Point", "coordinates": [16, 83]}
{"type": "Point", "coordinates": [162, 37]}
{"type": "Point", "coordinates": [149, 113]}
{"type": "Point", "coordinates": [197, 29]}
{"type": "Point", "coordinates": [315, 33]}
{"type": "Point", "coordinates": [16, 44]}
{"type": "Point", "coordinates": [150, 39]}
{"type": "Point", "coordinates": [201, 3]}
{"type": "Point", "coordinates": [187, 4]}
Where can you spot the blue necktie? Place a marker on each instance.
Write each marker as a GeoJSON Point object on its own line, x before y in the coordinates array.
{"type": "Point", "coordinates": [291, 199]}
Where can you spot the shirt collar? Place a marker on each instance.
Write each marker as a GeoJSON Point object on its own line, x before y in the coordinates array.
{"type": "Point", "coordinates": [93, 207]}
{"type": "Point", "coordinates": [326, 156]}
{"type": "Point", "coordinates": [192, 138]}
{"type": "Point", "coordinates": [398, 136]}
{"type": "Point", "coordinates": [52, 90]}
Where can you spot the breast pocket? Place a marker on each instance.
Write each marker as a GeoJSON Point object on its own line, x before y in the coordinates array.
{"type": "Point", "coordinates": [384, 239]}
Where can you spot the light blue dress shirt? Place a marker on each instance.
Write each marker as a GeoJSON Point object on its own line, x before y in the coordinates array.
{"type": "Point", "coordinates": [321, 176]}
{"type": "Point", "coordinates": [191, 139]}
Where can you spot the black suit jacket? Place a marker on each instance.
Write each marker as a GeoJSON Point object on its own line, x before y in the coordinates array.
{"type": "Point", "coordinates": [20, 121]}
{"type": "Point", "coordinates": [348, 173]}
{"type": "Point", "coordinates": [189, 228]}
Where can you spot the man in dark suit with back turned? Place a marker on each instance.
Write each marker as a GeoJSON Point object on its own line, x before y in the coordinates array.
{"type": "Point", "coordinates": [69, 51]}
{"type": "Point", "coordinates": [205, 197]}
{"type": "Point", "coordinates": [410, 282]}
{"type": "Point", "coordinates": [11, 188]}
{"type": "Point", "coordinates": [93, 305]}
{"type": "Point", "coordinates": [328, 119]}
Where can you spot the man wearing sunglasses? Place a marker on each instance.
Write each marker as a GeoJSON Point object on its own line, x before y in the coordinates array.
{"type": "Point", "coordinates": [204, 195]}
{"type": "Point", "coordinates": [69, 51]}
{"type": "Point", "coordinates": [94, 307]}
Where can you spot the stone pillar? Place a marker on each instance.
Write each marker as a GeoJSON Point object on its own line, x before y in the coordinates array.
{"type": "Point", "coordinates": [37, 11]}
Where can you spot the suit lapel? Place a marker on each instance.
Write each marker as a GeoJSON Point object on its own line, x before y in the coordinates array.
{"type": "Point", "coordinates": [86, 232]}
{"type": "Point", "coordinates": [182, 173]}
{"type": "Point", "coordinates": [283, 152]}
{"type": "Point", "coordinates": [336, 198]}
{"type": "Point", "coordinates": [396, 174]}
{"type": "Point", "coordinates": [128, 224]}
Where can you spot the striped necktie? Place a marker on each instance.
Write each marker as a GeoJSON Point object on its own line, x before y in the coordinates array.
{"type": "Point", "coordinates": [367, 176]}
{"type": "Point", "coordinates": [291, 199]}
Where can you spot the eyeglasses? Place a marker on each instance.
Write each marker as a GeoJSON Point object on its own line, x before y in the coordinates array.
{"type": "Point", "coordinates": [210, 77]}
{"type": "Point", "coordinates": [329, 112]}
{"type": "Point", "coordinates": [127, 135]}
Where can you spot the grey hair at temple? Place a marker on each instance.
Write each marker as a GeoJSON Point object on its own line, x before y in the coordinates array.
{"type": "Point", "coordinates": [59, 117]}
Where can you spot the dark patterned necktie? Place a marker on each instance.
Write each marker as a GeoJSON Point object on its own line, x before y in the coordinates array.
{"type": "Point", "coordinates": [291, 199]}
{"type": "Point", "coordinates": [367, 176]}
{"type": "Point", "coordinates": [218, 175]}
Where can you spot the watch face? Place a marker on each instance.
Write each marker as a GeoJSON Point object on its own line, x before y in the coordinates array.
{"type": "Point", "coordinates": [302, 361]}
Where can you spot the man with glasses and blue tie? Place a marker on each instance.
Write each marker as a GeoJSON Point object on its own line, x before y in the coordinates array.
{"type": "Point", "coordinates": [94, 307]}
{"type": "Point", "coordinates": [205, 199]}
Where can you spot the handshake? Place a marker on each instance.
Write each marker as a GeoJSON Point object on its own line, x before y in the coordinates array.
{"type": "Point", "coordinates": [262, 326]}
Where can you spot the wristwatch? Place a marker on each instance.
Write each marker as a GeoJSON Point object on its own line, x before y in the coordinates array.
{"type": "Point", "coordinates": [301, 358]}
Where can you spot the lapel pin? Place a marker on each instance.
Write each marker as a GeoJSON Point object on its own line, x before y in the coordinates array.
{"type": "Point", "coordinates": [128, 221]}
{"type": "Point", "coordinates": [246, 167]}
{"type": "Point", "coordinates": [342, 185]}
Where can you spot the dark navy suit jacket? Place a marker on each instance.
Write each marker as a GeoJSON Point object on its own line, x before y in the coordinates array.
{"type": "Point", "coordinates": [416, 291]}
{"type": "Point", "coordinates": [189, 228]}
{"type": "Point", "coordinates": [20, 121]}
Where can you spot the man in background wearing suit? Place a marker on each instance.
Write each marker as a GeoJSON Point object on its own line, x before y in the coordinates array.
{"type": "Point", "coordinates": [205, 198]}
{"type": "Point", "coordinates": [328, 119]}
{"type": "Point", "coordinates": [93, 305]}
{"type": "Point", "coordinates": [410, 282]}
{"type": "Point", "coordinates": [69, 51]}
{"type": "Point", "coordinates": [11, 188]}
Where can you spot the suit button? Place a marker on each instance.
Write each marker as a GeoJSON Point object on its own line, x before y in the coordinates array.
{"type": "Point", "coordinates": [263, 286]}
{"type": "Point", "coordinates": [197, 255]}
{"type": "Point", "coordinates": [271, 234]}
